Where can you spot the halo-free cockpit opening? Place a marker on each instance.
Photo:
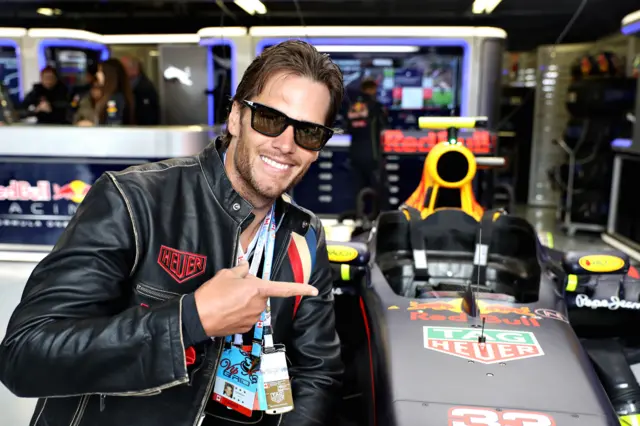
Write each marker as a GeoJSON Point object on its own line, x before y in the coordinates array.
{"type": "Point", "coordinates": [450, 239]}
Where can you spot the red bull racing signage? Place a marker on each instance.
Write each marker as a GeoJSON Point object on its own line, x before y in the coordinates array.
{"type": "Point", "coordinates": [47, 204]}
{"type": "Point", "coordinates": [499, 346]}
{"type": "Point", "coordinates": [44, 190]}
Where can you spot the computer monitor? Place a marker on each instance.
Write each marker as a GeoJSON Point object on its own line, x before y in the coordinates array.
{"type": "Point", "coordinates": [426, 81]}
{"type": "Point", "coordinates": [10, 72]}
{"type": "Point", "coordinates": [73, 62]}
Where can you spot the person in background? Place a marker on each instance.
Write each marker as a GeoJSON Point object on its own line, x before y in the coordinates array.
{"type": "Point", "coordinates": [366, 119]}
{"type": "Point", "coordinates": [86, 113]}
{"type": "Point", "coordinates": [81, 91]}
{"type": "Point", "coordinates": [7, 112]}
{"type": "Point", "coordinates": [49, 99]}
{"type": "Point", "coordinates": [145, 94]}
{"type": "Point", "coordinates": [117, 104]}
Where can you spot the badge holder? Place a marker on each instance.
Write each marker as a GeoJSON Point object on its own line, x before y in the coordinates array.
{"type": "Point", "coordinates": [275, 378]}
{"type": "Point", "coordinates": [235, 383]}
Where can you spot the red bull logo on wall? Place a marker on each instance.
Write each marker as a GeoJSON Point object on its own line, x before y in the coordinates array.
{"type": "Point", "coordinates": [44, 190]}
{"type": "Point", "coordinates": [45, 204]}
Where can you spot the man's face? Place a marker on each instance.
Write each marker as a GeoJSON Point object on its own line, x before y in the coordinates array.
{"type": "Point", "coordinates": [48, 79]}
{"type": "Point", "coordinates": [130, 67]}
{"type": "Point", "coordinates": [269, 166]}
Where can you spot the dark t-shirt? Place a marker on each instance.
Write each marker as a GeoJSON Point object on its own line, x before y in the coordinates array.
{"type": "Point", "coordinates": [366, 119]}
{"type": "Point", "coordinates": [117, 111]}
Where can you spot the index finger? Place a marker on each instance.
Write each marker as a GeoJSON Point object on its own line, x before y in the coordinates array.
{"type": "Point", "coordinates": [284, 289]}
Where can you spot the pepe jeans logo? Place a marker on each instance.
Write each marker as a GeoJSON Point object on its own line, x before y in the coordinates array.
{"type": "Point", "coordinates": [614, 303]}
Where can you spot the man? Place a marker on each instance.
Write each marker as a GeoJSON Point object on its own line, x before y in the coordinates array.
{"type": "Point", "coordinates": [126, 321]}
{"type": "Point", "coordinates": [147, 107]}
{"type": "Point", "coordinates": [366, 120]}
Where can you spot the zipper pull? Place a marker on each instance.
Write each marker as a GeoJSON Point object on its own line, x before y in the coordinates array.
{"type": "Point", "coordinates": [201, 419]}
{"type": "Point", "coordinates": [102, 403]}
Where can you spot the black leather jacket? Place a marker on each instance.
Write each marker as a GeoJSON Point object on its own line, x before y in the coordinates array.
{"type": "Point", "coordinates": [81, 341]}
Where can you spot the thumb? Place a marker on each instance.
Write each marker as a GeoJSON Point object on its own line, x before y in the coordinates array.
{"type": "Point", "coordinates": [241, 269]}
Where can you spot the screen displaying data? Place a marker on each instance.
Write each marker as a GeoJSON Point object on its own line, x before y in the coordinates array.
{"type": "Point", "coordinates": [425, 82]}
{"type": "Point", "coordinates": [72, 63]}
{"type": "Point", "coordinates": [10, 72]}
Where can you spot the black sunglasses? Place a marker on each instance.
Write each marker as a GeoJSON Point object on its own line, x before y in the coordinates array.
{"type": "Point", "coordinates": [271, 122]}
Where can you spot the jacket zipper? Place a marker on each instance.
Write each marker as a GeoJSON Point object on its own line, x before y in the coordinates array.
{"type": "Point", "coordinates": [82, 406]}
{"type": "Point", "coordinates": [276, 269]}
{"type": "Point", "coordinates": [200, 417]}
{"type": "Point", "coordinates": [281, 254]}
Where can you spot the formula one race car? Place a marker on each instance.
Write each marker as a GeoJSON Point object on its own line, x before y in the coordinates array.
{"type": "Point", "coordinates": [452, 315]}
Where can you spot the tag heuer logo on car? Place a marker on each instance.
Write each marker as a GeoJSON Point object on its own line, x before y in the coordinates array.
{"type": "Point", "coordinates": [499, 345]}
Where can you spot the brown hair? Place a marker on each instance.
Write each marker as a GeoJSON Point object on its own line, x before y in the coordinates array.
{"type": "Point", "coordinates": [115, 81]}
{"type": "Point", "coordinates": [368, 84]}
{"type": "Point", "coordinates": [296, 57]}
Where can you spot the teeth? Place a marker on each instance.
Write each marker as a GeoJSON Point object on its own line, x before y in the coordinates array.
{"type": "Point", "coordinates": [275, 164]}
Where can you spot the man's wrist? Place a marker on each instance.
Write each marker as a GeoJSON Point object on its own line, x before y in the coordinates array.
{"type": "Point", "coordinates": [192, 329]}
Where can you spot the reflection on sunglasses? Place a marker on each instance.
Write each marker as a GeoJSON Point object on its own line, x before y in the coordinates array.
{"type": "Point", "coordinates": [271, 122]}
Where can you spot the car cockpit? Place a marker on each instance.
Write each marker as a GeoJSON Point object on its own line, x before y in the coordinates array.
{"type": "Point", "coordinates": [449, 250]}
{"type": "Point", "coordinates": [441, 239]}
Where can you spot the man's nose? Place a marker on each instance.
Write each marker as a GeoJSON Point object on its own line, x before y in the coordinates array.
{"type": "Point", "coordinates": [286, 142]}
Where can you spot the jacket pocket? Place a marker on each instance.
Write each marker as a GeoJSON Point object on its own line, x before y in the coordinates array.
{"type": "Point", "coordinates": [147, 295]}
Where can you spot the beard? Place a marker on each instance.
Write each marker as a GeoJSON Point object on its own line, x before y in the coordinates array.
{"type": "Point", "coordinates": [258, 192]}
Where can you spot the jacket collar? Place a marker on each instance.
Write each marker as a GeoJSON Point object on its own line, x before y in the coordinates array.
{"type": "Point", "coordinates": [233, 204]}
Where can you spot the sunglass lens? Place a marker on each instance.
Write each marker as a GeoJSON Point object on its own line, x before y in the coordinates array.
{"type": "Point", "coordinates": [268, 122]}
{"type": "Point", "coordinates": [311, 137]}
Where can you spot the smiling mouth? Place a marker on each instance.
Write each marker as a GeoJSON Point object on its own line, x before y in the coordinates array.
{"type": "Point", "coordinates": [275, 164]}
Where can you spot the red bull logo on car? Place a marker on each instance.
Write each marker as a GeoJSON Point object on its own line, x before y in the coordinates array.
{"type": "Point", "coordinates": [486, 308]}
{"type": "Point", "coordinates": [44, 190]}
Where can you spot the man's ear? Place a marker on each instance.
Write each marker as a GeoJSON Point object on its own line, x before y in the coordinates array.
{"type": "Point", "coordinates": [234, 119]}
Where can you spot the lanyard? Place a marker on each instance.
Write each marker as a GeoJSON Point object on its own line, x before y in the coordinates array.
{"type": "Point", "coordinates": [263, 244]}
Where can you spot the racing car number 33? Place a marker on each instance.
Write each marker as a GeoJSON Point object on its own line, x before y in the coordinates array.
{"type": "Point", "coordinates": [474, 416]}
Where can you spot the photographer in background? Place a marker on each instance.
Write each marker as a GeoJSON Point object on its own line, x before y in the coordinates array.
{"type": "Point", "coordinates": [366, 119]}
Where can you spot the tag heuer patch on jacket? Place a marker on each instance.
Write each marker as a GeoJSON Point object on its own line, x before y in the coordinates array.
{"type": "Point", "coordinates": [181, 265]}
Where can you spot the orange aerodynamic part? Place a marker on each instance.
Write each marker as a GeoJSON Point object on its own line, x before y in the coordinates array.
{"type": "Point", "coordinates": [446, 182]}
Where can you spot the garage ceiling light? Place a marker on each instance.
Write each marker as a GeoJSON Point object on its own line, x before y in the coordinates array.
{"type": "Point", "coordinates": [485, 6]}
{"type": "Point", "coordinates": [367, 48]}
{"type": "Point", "coordinates": [251, 6]}
{"type": "Point", "coordinates": [47, 11]}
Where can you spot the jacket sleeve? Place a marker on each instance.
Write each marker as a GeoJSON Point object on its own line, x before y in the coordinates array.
{"type": "Point", "coordinates": [317, 369]}
{"type": "Point", "coordinates": [73, 332]}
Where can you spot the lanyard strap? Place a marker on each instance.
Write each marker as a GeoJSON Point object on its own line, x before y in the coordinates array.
{"type": "Point", "coordinates": [262, 244]}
